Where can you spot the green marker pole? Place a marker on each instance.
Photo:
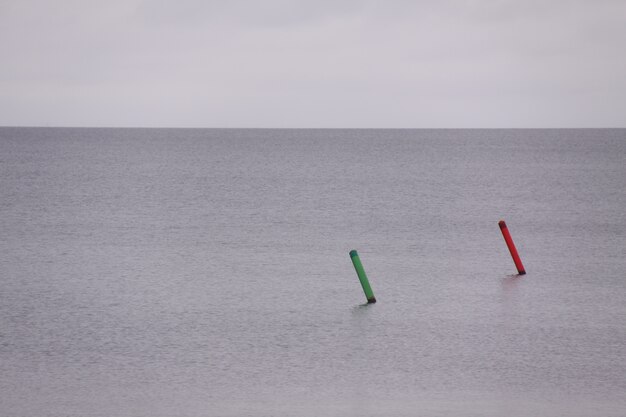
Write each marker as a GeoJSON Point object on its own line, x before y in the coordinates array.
{"type": "Point", "coordinates": [369, 294]}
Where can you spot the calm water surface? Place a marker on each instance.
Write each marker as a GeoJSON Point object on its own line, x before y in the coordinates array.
{"type": "Point", "coordinates": [206, 273]}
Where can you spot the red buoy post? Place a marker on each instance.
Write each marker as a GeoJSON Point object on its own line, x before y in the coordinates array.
{"type": "Point", "coordinates": [511, 246]}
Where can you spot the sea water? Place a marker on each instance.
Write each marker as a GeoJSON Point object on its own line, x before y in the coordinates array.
{"type": "Point", "coordinates": [205, 272]}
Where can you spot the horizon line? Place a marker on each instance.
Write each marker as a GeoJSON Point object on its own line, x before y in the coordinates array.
{"type": "Point", "coordinates": [304, 128]}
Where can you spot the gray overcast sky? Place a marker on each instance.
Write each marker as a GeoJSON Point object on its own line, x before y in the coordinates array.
{"type": "Point", "coordinates": [322, 63]}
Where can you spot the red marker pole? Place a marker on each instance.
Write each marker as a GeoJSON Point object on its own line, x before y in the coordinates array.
{"type": "Point", "coordinates": [511, 246]}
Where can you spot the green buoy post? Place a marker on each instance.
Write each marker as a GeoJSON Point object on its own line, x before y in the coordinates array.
{"type": "Point", "coordinates": [356, 261]}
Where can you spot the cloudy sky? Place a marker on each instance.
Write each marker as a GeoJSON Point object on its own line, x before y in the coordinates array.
{"type": "Point", "coordinates": [318, 63]}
